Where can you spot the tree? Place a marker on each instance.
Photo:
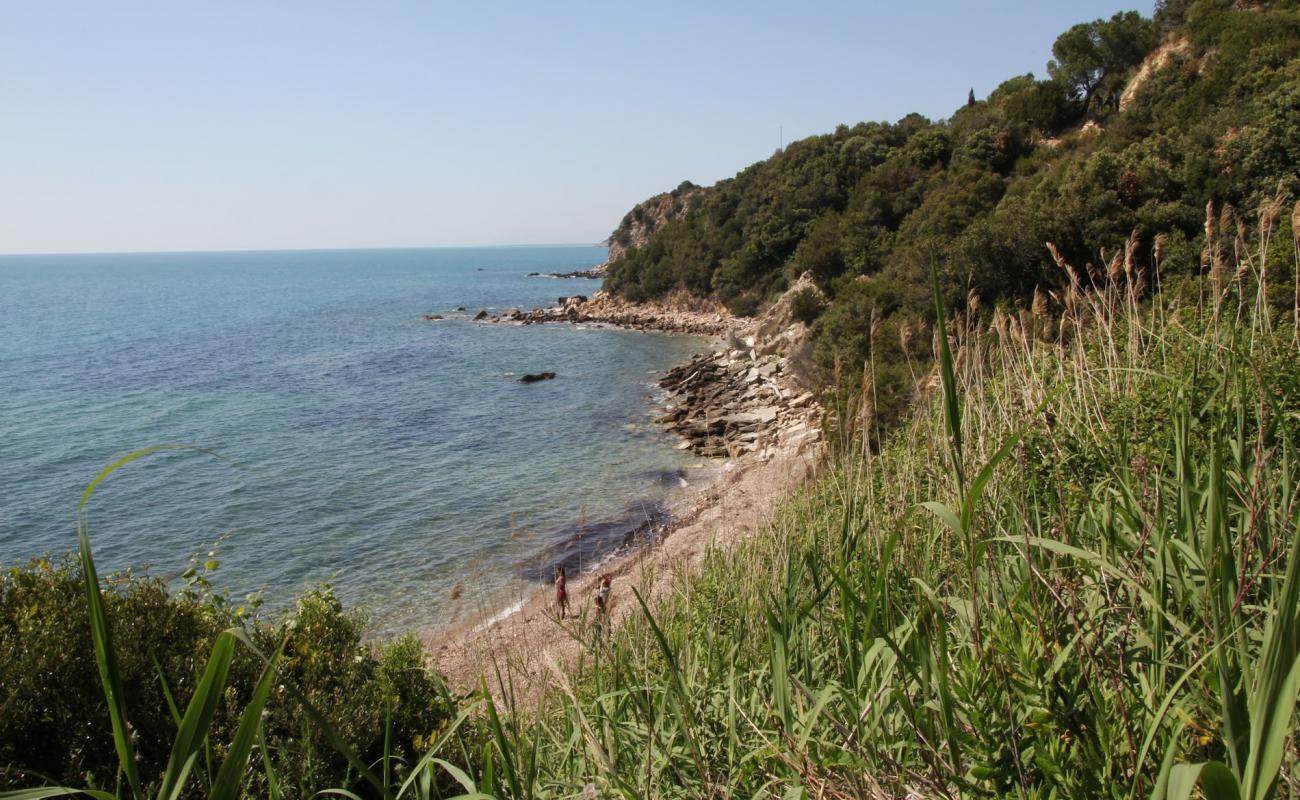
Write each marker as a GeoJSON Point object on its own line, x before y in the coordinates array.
{"type": "Point", "coordinates": [970, 98]}
{"type": "Point", "coordinates": [1043, 105]}
{"type": "Point", "coordinates": [1171, 13]}
{"type": "Point", "coordinates": [1092, 57]}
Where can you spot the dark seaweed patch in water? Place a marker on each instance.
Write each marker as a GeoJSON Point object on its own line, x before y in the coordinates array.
{"type": "Point", "coordinates": [582, 546]}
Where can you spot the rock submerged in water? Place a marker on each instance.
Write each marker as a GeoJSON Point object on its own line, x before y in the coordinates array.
{"type": "Point", "coordinates": [433, 317]}
{"type": "Point", "coordinates": [595, 273]}
{"type": "Point", "coordinates": [534, 377]}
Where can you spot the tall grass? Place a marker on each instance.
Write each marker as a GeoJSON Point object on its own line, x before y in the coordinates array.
{"type": "Point", "coordinates": [1074, 573]}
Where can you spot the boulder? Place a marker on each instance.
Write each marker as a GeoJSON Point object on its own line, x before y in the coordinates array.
{"type": "Point", "coordinates": [482, 315]}
{"type": "Point", "coordinates": [534, 377]}
{"type": "Point", "coordinates": [802, 400]}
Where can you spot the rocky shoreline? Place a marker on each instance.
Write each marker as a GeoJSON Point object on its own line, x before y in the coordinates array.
{"type": "Point", "coordinates": [750, 397]}
{"type": "Point", "coordinates": [593, 274]}
{"type": "Point", "coordinates": [603, 308]}
{"type": "Point", "coordinates": [746, 405]}
{"type": "Point", "coordinates": [730, 403]}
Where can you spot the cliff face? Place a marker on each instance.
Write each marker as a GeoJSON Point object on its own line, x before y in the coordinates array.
{"type": "Point", "coordinates": [1169, 51]}
{"type": "Point", "coordinates": [639, 224]}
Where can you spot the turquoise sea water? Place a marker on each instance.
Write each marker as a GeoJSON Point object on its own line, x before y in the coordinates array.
{"type": "Point", "coordinates": [394, 457]}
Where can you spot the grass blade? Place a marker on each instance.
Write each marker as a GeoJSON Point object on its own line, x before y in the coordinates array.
{"type": "Point", "coordinates": [198, 715]}
{"type": "Point", "coordinates": [231, 774]}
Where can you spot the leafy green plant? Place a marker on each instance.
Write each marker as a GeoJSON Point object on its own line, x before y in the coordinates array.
{"type": "Point", "coordinates": [193, 727]}
{"type": "Point", "coordinates": [282, 664]}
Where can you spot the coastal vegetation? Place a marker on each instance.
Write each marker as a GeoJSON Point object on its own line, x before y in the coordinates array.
{"type": "Point", "coordinates": [1071, 571]}
{"type": "Point", "coordinates": [168, 649]}
{"type": "Point", "coordinates": [1053, 551]}
{"type": "Point", "coordinates": [1138, 125]}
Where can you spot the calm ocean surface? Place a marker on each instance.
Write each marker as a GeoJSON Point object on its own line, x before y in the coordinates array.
{"type": "Point", "coordinates": [396, 458]}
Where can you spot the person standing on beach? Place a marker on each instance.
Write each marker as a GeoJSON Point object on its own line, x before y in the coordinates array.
{"type": "Point", "coordinates": [602, 595]}
{"type": "Point", "coordinates": [602, 604]}
{"type": "Point", "coordinates": [600, 620]}
{"type": "Point", "coordinates": [561, 591]}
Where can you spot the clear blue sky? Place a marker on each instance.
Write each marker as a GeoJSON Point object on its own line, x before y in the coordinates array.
{"type": "Point", "coordinates": [247, 125]}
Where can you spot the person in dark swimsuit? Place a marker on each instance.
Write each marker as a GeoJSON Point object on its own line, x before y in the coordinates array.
{"type": "Point", "coordinates": [561, 591]}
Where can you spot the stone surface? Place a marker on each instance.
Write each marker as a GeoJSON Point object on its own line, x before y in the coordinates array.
{"type": "Point", "coordinates": [534, 377]}
{"type": "Point", "coordinates": [603, 308]}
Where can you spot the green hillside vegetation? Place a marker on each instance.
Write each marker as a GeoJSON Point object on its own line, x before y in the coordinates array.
{"type": "Point", "coordinates": [1073, 572]}
{"type": "Point", "coordinates": [1053, 552]}
{"type": "Point", "coordinates": [868, 208]}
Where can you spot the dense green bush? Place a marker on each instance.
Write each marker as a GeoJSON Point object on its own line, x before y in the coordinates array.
{"type": "Point", "coordinates": [54, 722]}
{"type": "Point", "coordinates": [53, 718]}
{"type": "Point", "coordinates": [807, 305]}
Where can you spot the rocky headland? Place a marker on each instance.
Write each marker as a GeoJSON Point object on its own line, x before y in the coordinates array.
{"type": "Point", "coordinates": [595, 273]}
{"type": "Point", "coordinates": [649, 216]}
{"type": "Point", "coordinates": [603, 308]}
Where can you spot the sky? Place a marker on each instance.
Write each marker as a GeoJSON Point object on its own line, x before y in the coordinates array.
{"type": "Point", "coordinates": [238, 125]}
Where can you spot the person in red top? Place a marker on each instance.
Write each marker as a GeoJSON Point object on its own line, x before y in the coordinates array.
{"type": "Point", "coordinates": [561, 591]}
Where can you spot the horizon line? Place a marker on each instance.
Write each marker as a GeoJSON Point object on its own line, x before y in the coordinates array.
{"type": "Point", "coordinates": [194, 251]}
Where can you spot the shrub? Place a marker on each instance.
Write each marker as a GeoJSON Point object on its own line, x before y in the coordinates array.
{"type": "Point", "coordinates": [807, 305]}
{"type": "Point", "coordinates": [54, 722]}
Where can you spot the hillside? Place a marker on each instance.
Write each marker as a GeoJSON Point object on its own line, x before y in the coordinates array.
{"type": "Point", "coordinates": [1050, 551]}
{"type": "Point", "coordinates": [1071, 571]}
{"type": "Point", "coordinates": [649, 217]}
{"type": "Point", "coordinates": [1139, 125]}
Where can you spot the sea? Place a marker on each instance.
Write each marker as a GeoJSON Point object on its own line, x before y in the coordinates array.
{"type": "Point", "coordinates": [349, 440]}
